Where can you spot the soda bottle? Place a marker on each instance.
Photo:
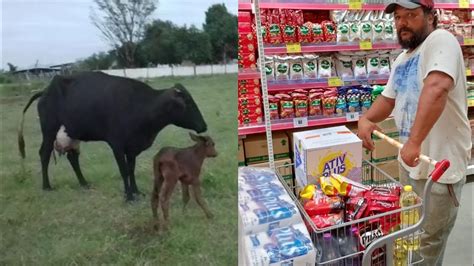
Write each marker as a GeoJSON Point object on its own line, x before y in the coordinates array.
{"type": "Point", "coordinates": [409, 217]}
{"type": "Point", "coordinates": [330, 250]}
{"type": "Point", "coordinates": [349, 245]}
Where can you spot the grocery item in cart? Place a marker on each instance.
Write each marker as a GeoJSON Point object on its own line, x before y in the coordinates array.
{"type": "Point", "coordinates": [336, 184]}
{"type": "Point", "coordinates": [326, 220]}
{"type": "Point", "coordinates": [286, 106]}
{"type": "Point", "coordinates": [284, 246]}
{"type": "Point", "coordinates": [310, 70]}
{"type": "Point", "coordinates": [348, 241]}
{"type": "Point", "coordinates": [329, 248]}
{"type": "Point", "coordinates": [409, 217]}
{"type": "Point", "coordinates": [323, 205]}
{"type": "Point", "coordinates": [325, 151]}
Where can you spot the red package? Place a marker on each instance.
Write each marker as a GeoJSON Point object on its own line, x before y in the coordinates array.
{"type": "Point", "coordinates": [355, 208]}
{"type": "Point", "coordinates": [263, 16]}
{"type": "Point", "coordinates": [383, 194]}
{"type": "Point", "coordinates": [250, 101]}
{"type": "Point", "coordinates": [289, 33]}
{"type": "Point", "coordinates": [318, 33]}
{"type": "Point", "coordinates": [315, 104]}
{"type": "Point", "coordinates": [245, 91]}
{"type": "Point", "coordinates": [368, 232]}
{"type": "Point", "coordinates": [247, 60]}
{"type": "Point", "coordinates": [301, 104]}
{"type": "Point", "coordinates": [329, 30]}
{"type": "Point", "coordinates": [274, 34]}
{"type": "Point", "coordinates": [244, 27]}
{"type": "Point", "coordinates": [247, 111]}
{"type": "Point", "coordinates": [273, 103]}
{"type": "Point", "coordinates": [301, 91]}
{"type": "Point", "coordinates": [248, 83]}
{"type": "Point", "coordinates": [274, 17]}
{"type": "Point", "coordinates": [299, 19]}
{"type": "Point", "coordinates": [325, 205]}
{"type": "Point", "coordinates": [305, 32]}
{"type": "Point", "coordinates": [286, 106]}
{"type": "Point", "coordinates": [326, 220]}
{"type": "Point", "coordinates": [249, 119]}
{"type": "Point", "coordinates": [244, 16]}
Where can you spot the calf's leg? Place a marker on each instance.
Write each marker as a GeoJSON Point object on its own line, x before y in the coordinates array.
{"type": "Point", "coordinates": [155, 196]}
{"type": "Point", "coordinates": [170, 180]}
{"type": "Point", "coordinates": [73, 157]}
{"type": "Point", "coordinates": [185, 190]}
{"type": "Point", "coordinates": [201, 201]}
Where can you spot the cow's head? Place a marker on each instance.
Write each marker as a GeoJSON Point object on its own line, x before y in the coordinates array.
{"type": "Point", "coordinates": [183, 110]}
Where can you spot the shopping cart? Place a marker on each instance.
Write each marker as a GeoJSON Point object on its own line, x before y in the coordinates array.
{"type": "Point", "coordinates": [379, 244]}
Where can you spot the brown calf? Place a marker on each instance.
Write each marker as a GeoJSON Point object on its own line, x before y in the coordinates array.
{"type": "Point", "coordinates": [173, 164]}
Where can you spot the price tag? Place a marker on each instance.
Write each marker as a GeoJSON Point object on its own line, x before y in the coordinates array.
{"type": "Point", "coordinates": [335, 82]}
{"type": "Point", "coordinates": [468, 72]}
{"type": "Point", "coordinates": [468, 41]}
{"type": "Point", "coordinates": [463, 3]}
{"type": "Point", "coordinates": [355, 4]}
{"type": "Point", "coordinates": [300, 122]}
{"type": "Point", "coordinates": [354, 116]}
{"type": "Point", "coordinates": [293, 48]}
{"type": "Point", "coordinates": [365, 45]}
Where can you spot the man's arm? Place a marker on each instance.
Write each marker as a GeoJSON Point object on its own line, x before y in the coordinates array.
{"type": "Point", "coordinates": [379, 111]}
{"type": "Point", "coordinates": [430, 106]}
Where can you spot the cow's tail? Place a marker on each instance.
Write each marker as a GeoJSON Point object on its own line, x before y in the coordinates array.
{"type": "Point", "coordinates": [21, 140]}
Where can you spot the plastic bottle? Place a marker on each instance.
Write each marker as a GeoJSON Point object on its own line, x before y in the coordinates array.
{"type": "Point", "coordinates": [409, 217]}
{"type": "Point", "coordinates": [330, 250]}
{"type": "Point", "coordinates": [349, 245]}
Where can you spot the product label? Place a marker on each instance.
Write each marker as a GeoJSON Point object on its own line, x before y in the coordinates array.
{"type": "Point", "coordinates": [325, 64]}
{"type": "Point", "coordinates": [297, 68]}
{"type": "Point", "coordinates": [273, 209]}
{"type": "Point", "coordinates": [268, 70]}
{"type": "Point", "coordinates": [360, 63]}
{"type": "Point", "coordinates": [289, 30]}
{"type": "Point", "coordinates": [274, 29]}
{"type": "Point", "coordinates": [344, 29]}
{"type": "Point", "coordinates": [282, 68]}
{"type": "Point", "coordinates": [304, 30]}
{"type": "Point", "coordinates": [335, 162]}
{"type": "Point", "coordinates": [389, 29]}
{"type": "Point", "coordinates": [374, 62]}
{"type": "Point", "coordinates": [310, 65]}
{"type": "Point", "coordinates": [366, 27]}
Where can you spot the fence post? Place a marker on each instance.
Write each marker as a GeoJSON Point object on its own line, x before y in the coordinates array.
{"type": "Point", "coordinates": [172, 71]}
{"type": "Point", "coordinates": [225, 68]}
{"type": "Point", "coordinates": [194, 70]}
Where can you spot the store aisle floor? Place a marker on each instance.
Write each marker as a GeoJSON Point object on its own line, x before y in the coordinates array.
{"type": "Point", "coordinates": [460, 243]}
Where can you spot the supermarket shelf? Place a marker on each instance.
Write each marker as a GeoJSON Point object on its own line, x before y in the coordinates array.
{"type": "Point", "coordinates": [245, 6]}
{"type": "Point", "coordinates": [328, 6]}
{"type": "Point", "coordinates": [248, 74]}
{"type": "Point", "coordinates": [331, 47]}
{"type": "Point", "coordinates": [288, 124]}
{"type": "Point", "coordinates": [322, 83]}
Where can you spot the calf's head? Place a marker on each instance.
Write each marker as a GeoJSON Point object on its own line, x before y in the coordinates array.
{"type": "Point", "coordinates": [207, 142]}
{"type": "Point", "coordinates": [183, 111]}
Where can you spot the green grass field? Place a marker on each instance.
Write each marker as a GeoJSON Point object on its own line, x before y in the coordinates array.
{"type": "Point", "coordinates": [74, 226]}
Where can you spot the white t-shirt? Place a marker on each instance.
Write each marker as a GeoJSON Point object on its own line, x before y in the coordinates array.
{"type": "Point", "coordinates": [450, 137]}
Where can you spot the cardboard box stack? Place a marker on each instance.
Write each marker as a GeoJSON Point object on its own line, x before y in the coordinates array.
{"type": "Point", "coordinates": [241, 153]}
{"type": "Point", "coordinates": [385, 155]}
{"type": "Point", "coordinates": [256, 149]}
{"type": "Point", "coordinates": [269, 217]}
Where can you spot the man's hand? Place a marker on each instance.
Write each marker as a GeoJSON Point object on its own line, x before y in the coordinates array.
{"type": "Point", "coordinates": [364, 131]}
{"type": "Point", "coordinates": [410, 153]}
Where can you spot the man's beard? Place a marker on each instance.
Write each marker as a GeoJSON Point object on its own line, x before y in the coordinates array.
{"type": "Point", "coordinates": [416, 39]}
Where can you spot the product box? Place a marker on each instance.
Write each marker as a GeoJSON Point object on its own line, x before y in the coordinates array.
{"type": "Point", "coordinates": [383, 150]}
{"type": "Point", "coordinates": [249, 119]}
{"type": "Point", "coordinates": [390, 167]}
{"type": "Point", "coordinates": [248, 83]}
{"type": "Point", "coordinates": [247, 60]}
{"type": "Point", "coordinates": [250, 101]}
{"type": "Point", "coordinates": [324, 151]}
{"type": "Point", "coordinates": [256, 149]}
{"type": "Point", "coordinates": [245, 111]}
{"type": "Point", "coordinates": [240, 153]}
{"type": "Point", "coordinates": [284, 167]}
{"type": "Point", "coordinates": [244, 16]}
{"type": "Point", "coordinates": [249, 90]}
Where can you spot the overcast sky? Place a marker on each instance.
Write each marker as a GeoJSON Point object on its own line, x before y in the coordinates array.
{"type": "Point", "coordinates": [60, 31]}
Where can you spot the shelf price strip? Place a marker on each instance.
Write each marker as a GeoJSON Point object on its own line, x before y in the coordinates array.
{"type": "Point", "coordinates": [293, 48]}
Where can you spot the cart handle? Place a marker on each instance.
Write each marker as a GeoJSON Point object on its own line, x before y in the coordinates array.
{"type": "Point", "coordinates": [440, 167]}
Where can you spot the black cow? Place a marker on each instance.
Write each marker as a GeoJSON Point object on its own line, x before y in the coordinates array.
{"type": "Point", "coordinates": [125, 113]}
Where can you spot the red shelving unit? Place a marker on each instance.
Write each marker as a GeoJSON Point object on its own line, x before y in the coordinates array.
{"type": "Point", "coordinates": [327, 6]}
{"type": "Point", "coordinates": [245, 6]}
{"type": "Point", "coordinates": [293, 85]}
{"type": "Point", "coordinates": [248, 74]}
{"type": "Point", "coordinates": [276, 125]}
{"type": "Point", "coordinates": [332, 47]}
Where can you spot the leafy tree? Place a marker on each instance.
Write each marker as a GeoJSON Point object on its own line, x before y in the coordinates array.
{"type": "Point", "coordinates": [221, 26]}
{"type": "Point", "coordinates": [122, 24]}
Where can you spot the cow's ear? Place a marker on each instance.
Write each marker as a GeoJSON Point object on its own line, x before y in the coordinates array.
{"type": "Point", "coordinates": [178, 103]}
{"type": "Point", "coordinates": [194, 137]}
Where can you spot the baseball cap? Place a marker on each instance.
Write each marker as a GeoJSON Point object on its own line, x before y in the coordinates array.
{"type": "Point", "coordinates": [410, 4]}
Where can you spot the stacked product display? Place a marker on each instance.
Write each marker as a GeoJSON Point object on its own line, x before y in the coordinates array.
{"type": "Point", "coordinates": [271, 231]}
